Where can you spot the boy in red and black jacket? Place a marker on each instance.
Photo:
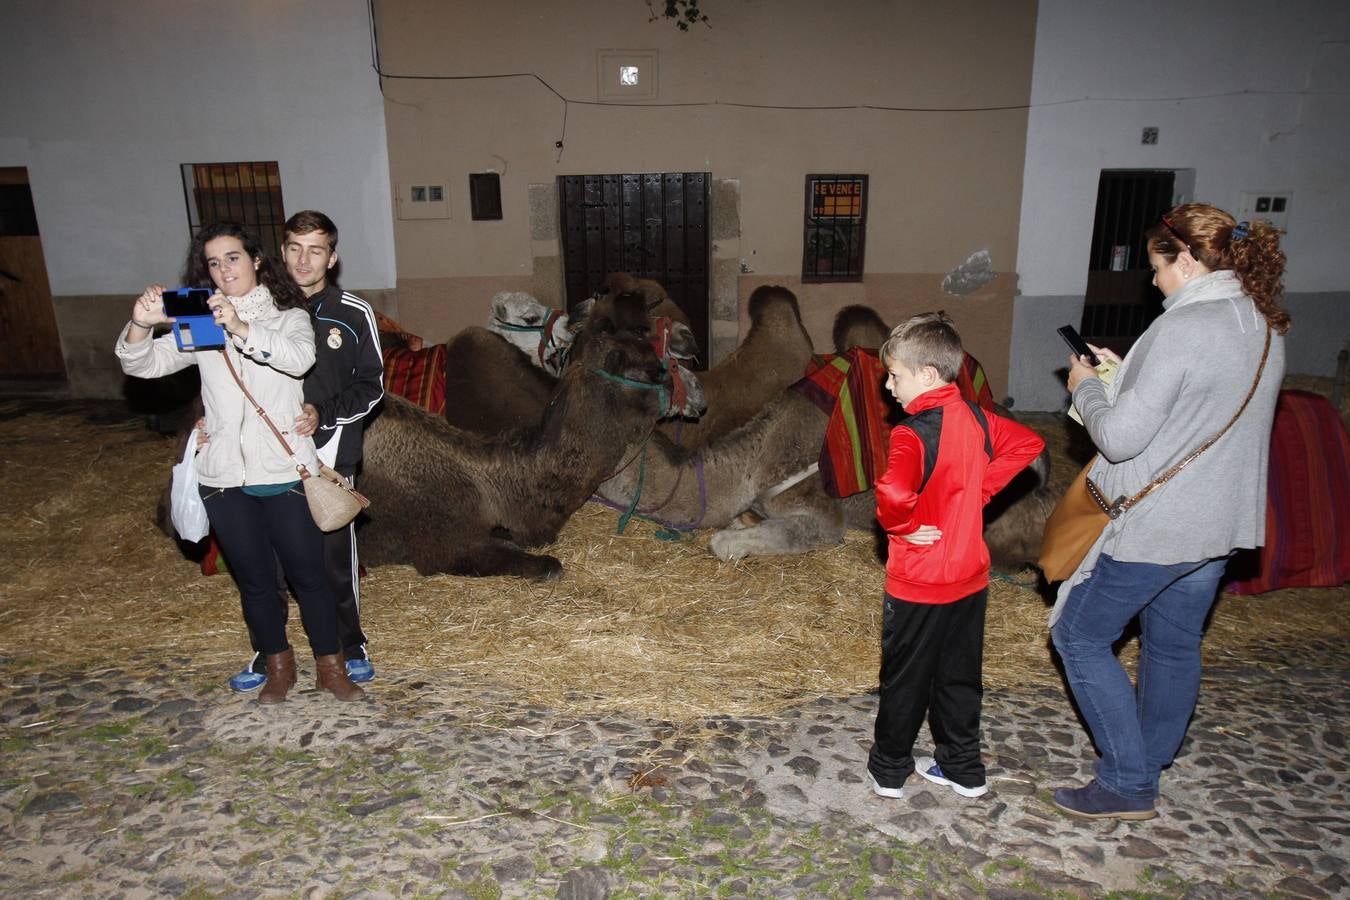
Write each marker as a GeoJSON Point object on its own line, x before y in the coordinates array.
{"type": "Point", "coordinates": [946, 460]}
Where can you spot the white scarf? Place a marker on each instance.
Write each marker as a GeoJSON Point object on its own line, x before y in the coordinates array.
{"type": "Point", "coordinates": [255, 304]}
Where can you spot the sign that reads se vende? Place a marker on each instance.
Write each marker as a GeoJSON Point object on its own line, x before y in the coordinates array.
{"type": "Point", "coordinates": [837, 196]}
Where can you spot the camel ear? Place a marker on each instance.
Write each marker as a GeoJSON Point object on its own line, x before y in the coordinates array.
{"type": "Point", "coordinates": [579, 313]}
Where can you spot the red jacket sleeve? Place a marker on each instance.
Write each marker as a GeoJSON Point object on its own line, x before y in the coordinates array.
{"type": "Point", "coordinates": [896, 494]}
{"type": "Point", "coordinates": [1015, 447]}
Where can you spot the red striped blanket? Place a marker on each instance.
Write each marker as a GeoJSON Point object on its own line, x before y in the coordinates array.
{"type": "Point", "coordinates": [418, 375]}
{"type": "Point", "coordinates": [1307, 502]}
{"type": "Point", "coordinates": [851, 388]}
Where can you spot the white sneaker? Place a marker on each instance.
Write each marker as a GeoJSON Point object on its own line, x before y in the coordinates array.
{"type": "Point", "coordinates": [888, 793]}
{"type": "Point", "coordinates": [928, 768]}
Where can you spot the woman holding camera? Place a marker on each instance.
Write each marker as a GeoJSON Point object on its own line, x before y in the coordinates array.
{"type": "Point", "coordinates": [249, 483]}
{"type": "Point", "coordinates": [1204, 377]}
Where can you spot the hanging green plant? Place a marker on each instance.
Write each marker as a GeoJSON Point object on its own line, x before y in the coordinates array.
{"type": "Point", "coordinates": [683, 12]}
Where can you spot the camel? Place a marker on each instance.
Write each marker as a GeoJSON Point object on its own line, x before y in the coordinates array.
{"type": "Point", "coordinates": [763, 468]}
{"type": "Point", "coordinates": [773, 355]}
{"type": "Point", "coordinates": [490, 392]}
{"type": "Point", "coordinates": [446, 500]}
{"type": "Point", "coordinates": [744, 470]}
{"type": "Point", "coordinates": [753, 468]}
{"type": "Point", "coordinates": [490, 388]}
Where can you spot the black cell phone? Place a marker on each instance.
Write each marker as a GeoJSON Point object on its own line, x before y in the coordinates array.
{"type": "Point", "coordinates": [1077, 344]}
{"type": "Point", "coordinates": [186, 302]}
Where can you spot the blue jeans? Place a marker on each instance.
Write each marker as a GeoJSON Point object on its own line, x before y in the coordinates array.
{"type": "Point", "coordinates": [1137, 732]}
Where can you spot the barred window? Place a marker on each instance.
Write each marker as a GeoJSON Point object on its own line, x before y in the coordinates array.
{"type": "Point", "coordinates": [835, 229]}
{"type": "Point", "coordinates": [245, 192]}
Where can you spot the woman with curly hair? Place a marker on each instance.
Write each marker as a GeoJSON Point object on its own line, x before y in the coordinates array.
{"type": "Point", "coordinates": [250, 485]}
{"type": "Point", "coordinates": [1210, 366]}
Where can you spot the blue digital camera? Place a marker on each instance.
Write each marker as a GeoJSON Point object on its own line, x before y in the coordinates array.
{"type": "Point", "coordinates": [194, 326]}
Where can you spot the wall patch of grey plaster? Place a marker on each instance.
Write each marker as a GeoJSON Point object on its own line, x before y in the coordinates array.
{"type": "Point", "coordinates": [971, 275]}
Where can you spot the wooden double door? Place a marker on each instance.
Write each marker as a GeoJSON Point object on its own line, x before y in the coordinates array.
{"type": "Point", "coordinates": [652, 225]}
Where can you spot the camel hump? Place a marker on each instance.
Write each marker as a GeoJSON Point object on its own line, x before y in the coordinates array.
{"type": "Point", "coordinates": [773, 303]}
{"type": "Point", "coordinates": [858, 326]}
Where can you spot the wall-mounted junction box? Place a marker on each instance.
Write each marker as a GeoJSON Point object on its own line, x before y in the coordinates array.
{"type": "Point", "coordinates": [1273, 206]}
{"type": "Point", "coordinates": [423, 200]}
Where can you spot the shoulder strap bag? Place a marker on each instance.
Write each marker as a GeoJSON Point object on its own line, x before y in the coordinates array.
{"type": "Point", "coordinates": [333, 502]}
{"type": "Point", "coordinates": [1083, 512]}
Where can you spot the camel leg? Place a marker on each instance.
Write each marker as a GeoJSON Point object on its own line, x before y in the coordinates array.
{"type": "Point", "coordinates": [502, 558]}
{"type": "Point", "coordinates": [798, 520]}
{"type": "Point", "coordinates": [778, 536]}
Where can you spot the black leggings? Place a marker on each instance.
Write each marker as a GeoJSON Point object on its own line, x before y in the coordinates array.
{"type": "Point", "coordinates": [255, 532]}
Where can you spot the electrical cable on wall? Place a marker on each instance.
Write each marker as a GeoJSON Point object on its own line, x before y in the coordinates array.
{"type": "Point", "coordinates": [1011, 107]}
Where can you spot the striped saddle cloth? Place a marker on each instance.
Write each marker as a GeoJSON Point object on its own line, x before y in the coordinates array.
{"type": "Point", "coordinates": [851, 389]}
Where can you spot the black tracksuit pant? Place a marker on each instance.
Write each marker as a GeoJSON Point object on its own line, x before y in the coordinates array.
{"type": "Point", "coordinates": [931, 659]}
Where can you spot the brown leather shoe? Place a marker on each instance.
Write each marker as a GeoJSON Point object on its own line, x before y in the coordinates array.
{"type": "Point", "coordinates": [280, 676]}
{"type": "Point", "coordinates": [333, 677]}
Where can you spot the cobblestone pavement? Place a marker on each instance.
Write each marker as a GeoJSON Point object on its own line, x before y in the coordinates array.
{"type": "Point", "coordinates": [132, 782]}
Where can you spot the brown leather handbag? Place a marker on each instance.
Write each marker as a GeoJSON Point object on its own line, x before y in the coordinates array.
{"type": "Point", "coordinates": [1082, 513]}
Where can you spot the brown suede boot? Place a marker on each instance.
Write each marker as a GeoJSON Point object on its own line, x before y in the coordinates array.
{"type": "Point", "coordinates": [280, 677]}
{"type": "Point", "coordinates": [333, 677]}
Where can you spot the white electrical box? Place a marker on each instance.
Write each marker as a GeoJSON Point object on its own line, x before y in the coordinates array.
{"type": "Point", "coordinates": [1272, 206]}
{"type": "Point", "coordinates": [423, 200]}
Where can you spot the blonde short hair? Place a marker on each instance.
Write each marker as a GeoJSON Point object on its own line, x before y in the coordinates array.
{"type": "Point", "coordinates": [928, 339]}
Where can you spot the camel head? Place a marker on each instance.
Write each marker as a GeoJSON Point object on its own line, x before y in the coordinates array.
{"type": "Point", "coordinates": [673, 330]}
{"type": "Point", "coordinates": [624, 346]}
{"type": "Point", "coordinates": [659, 303]}
{"type": "Point", "coordinates": [542, 334]}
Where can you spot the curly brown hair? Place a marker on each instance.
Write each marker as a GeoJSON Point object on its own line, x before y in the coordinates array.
{"type": "Point", "coordinates": [271, 273]}
{"type": "Point", "coordinates": [1214, 239]}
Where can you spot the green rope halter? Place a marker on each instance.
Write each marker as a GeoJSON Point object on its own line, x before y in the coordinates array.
{"type": "Point", "coordinates": [640, 385]}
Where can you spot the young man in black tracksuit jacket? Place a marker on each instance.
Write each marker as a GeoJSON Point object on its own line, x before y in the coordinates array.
{"type": "Point", "coordinates": [341, 391]}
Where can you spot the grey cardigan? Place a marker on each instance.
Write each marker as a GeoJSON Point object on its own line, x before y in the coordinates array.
{"type": "Point", "coordinates": [1177, 387]}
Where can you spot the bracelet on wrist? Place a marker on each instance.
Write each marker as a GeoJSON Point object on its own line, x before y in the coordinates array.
{"type": "Point", "coordinates": [141, 325]}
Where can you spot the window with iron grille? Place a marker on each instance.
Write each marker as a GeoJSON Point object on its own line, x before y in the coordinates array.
{"type": "Point", "coordinates": [245, 192]}
{"type": "Point", "coordinates": [835, 229]}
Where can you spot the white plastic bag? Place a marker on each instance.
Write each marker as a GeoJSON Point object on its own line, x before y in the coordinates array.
{"type": "Point", "coordinates": [186, 507]}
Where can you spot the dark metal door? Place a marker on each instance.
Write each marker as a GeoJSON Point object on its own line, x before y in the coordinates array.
{"type": "Point", "coordinates": [650, 226]}
{"type": "Point", "coordinates": [1121, 301]}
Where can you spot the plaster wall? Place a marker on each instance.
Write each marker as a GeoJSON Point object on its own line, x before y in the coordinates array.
{"type": "Point", "coordinates": [1262, 102]}
{"type": "Point", "coordinates": [942, 184]}
{"type": "Point", "coordinates": [104, 101]}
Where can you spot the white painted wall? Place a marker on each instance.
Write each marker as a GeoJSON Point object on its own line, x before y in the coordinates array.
{"type": "Point", "coordinates": [103, 102]}
{"type": "Point", "coordinates": [1251, 95]}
